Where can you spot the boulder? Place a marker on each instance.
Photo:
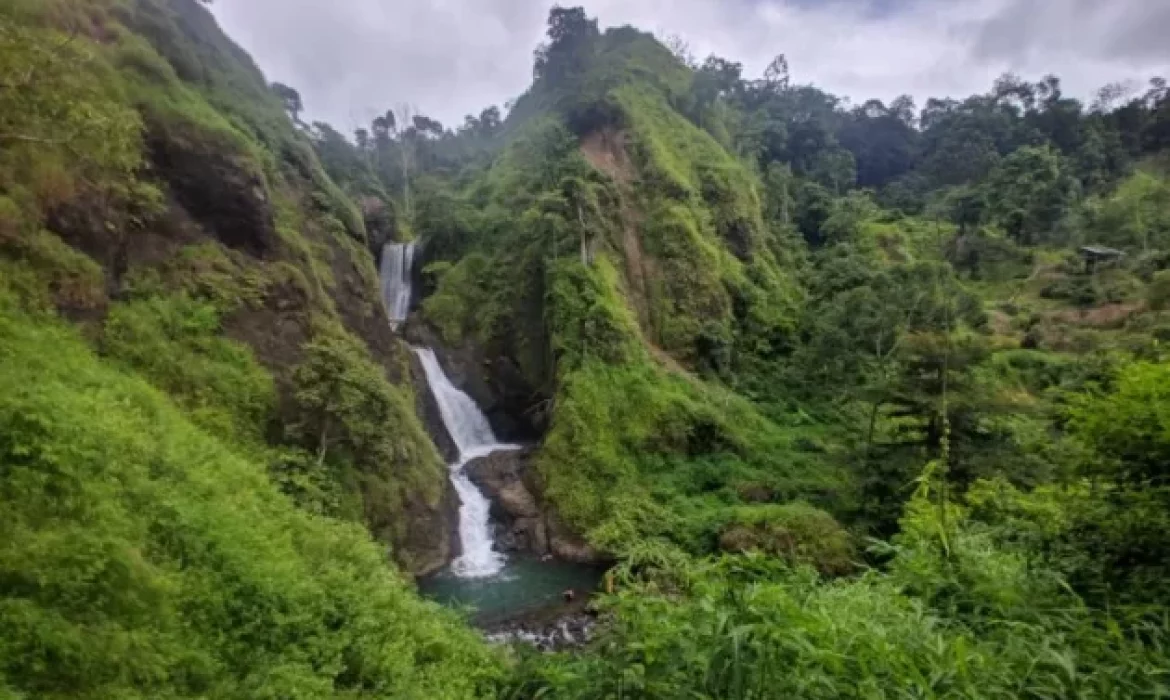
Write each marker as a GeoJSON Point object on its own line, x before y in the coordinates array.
{"type": "Point", "coordinates": [566, 545]}
{"type": "Point", "coordinates": [432, 537]}
{"type": "Point", "coordinates": [504, 479]}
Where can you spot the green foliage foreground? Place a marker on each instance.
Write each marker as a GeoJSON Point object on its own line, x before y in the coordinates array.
{"type": "Point", "coordinates": [960, 616]}
{"type": "Point", "coordinates": [141, 558]}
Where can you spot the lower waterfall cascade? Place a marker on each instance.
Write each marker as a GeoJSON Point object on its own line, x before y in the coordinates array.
{"type": "Point", "coordinates": [473, 436]}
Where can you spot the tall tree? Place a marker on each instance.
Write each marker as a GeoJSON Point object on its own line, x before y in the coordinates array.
{"type": "Point", "coordinates": [1029, 192]}
{"type": "Point", "coordinates": [572, 39]}
{"type": "Point", "coordinates": [292, 100]}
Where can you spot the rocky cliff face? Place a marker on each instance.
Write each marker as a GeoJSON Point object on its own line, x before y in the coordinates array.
{"type": "Point", "coordinates": [433, 533]}
{"type": "Point", "coordinates": [526, 522]}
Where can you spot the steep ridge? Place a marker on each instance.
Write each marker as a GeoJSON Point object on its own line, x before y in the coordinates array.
{"type": "Point", "coordinates": [680, 278]}
{"type": "Point", "coordinates": [246, 466]}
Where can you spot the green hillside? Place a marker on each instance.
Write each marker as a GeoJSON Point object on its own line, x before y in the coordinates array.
{"type": "Point", "coordinates": [856, 401]}
{"type": "Point", "coordinates": [762, 329]}
{"type": "Point", "coordinates": [185, 472]}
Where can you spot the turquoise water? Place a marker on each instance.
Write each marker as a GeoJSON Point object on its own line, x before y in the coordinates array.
{"type": "Point", "coordinates": [524, 586]}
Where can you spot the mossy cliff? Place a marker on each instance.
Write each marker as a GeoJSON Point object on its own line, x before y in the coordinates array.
{"type": "Point", "coordinates": [620, 257]}
{"type": "Point", "coordinates": [155, 191]}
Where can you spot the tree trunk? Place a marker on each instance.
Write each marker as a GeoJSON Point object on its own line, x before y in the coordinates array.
{"type": "Point", "coordinates": [586, 253]}
{"type": "Point", "coordinates": [406, 181]}
{"type": "Point", "coordinates": [873, 414]}
{"type": "Point", "coordinates": [324, 447]}
{"type": "Point", "coordinates": [785, 201]}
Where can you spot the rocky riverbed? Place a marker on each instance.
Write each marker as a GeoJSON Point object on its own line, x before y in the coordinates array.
{"type": "Point", "coordinates": [556, 628]}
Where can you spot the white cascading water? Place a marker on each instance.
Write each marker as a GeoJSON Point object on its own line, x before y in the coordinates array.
{"type": "Point", "coordinates": [474, 438]}
{"type": "Point", "coordinates": [397, 266]}
{"type": "Point", "coordinates": [467, 425]}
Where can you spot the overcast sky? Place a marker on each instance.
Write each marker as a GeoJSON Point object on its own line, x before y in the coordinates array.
{"type": "Point", "coordinates": [352, 59]}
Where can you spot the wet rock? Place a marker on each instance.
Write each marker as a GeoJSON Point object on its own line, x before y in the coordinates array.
{"type": "Point", "coordinates": [505, 478]}
{"type": "Point", "coordinates": [524, 522]}
{"type": "Point", "coordinates": [516, 500]}
{"type": "Point", "coordinates": [566, 545]}
{"type": "Point", "coordinates": [432, 535]}
{"type": "Point", "coordinates": [379, 220]}
{"type": "Point", "coordinates": [550, 630]}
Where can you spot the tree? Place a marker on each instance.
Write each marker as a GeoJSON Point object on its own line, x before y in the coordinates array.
{"type": "Point", "coordinates": [778, 188]}
{"type": "Point", "coordinates": [719, 77]}
{"type": "Point", "coordinates": [1130, 425]}
{"type": "Point", "coordinates": [426, 126]}
{"type": "Point", "coordinates": [342, 400]}
{"type": "Point", "coordinates": [291, 99]}
{"type": "Point", "coordinates": [903, 109]}
{"type": "Point", "coordinates": [776, 77]}
{"type": "Point", "coordinates": [382, 130]}
{"type": "Point", "coordinates": [967, 208]}
{"type": "Point", "coordinates": [1012, 90]}
{"type": "Point", "coordinates": [572, 38]}
{"type": "Point", "coordinates": [406, 114]}
{"type": "Point", "coordinates": [681, 50]}
{"type": "Point", "coordinates": [882, 140]}
{"type": "Point", "coordinates": [1029, 193]}
{"type": "Point", "coordinates": [490, 121]}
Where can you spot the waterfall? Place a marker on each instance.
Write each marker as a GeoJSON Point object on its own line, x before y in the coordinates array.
{"type": "Point", "coordinates": [397, 266]}
{"type": "Point", "coordinates": [467, 425]}
{"type": "Point", "coordinates": [472, 434]}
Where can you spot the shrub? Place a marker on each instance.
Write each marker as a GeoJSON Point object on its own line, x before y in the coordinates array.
{"type": "Point", "coordinates": [797, 533]}
{"type": "Point", "coordinates": [1158, 293]}
{"type": "Point", "coordinates": [175, 343]}
{"type": "Point", "coordinates": [363, 436]}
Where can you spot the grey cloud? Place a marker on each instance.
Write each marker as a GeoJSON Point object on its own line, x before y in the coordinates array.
{"type": "Point", "coordinates": [1127, 31]}
{"type": "Point", "coordinates": [352, 59]}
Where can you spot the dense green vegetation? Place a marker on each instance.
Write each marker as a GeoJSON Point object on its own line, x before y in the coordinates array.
{"type": "Point", "coordinates": [831, 387]}
{"type": "Point", "coordinates": [185, 475]}
{"type": "Point", "coordinates": [143, 557]}
{"type": "Point", "coordinates": [155, 191]}
{"type": "Point", "coordinates": [832, 384]}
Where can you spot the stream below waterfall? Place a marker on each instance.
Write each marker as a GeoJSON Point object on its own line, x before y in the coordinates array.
{"type": "Point", "coordinates": [499, 589]}
{"type": "Point", "coordinates": [525, 586]}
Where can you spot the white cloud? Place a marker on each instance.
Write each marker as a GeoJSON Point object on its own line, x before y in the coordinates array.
{"type": "Point", "coordinates": [353, 58]}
